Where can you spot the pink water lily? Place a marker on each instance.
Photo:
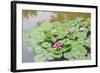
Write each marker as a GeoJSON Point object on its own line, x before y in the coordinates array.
{"type": "Point", "coordinates": [57, 45]}
{"type": "Point", "coordinates": [69, 30]}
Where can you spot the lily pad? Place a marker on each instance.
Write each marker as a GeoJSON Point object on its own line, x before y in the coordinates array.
{"type": "Point", "coordinates": [68, 55]}
{"type": "Point", "coordinates": [39, 58]}
{"type": "Point", "coordinates": [46, 44]}
{"type": "Point", "coordinates": [55, 55]}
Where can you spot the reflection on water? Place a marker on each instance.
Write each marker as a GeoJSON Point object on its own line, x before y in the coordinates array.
{"type": "Point", "coordinates": [34, 20]}
{"type": "Point", "coordinates": [27, 25]}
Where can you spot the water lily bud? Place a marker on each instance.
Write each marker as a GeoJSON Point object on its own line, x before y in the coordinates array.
{"type": "Point", "coordinates": [69, 30]}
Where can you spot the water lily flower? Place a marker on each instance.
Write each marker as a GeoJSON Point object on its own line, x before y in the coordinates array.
{"type": "Point", "coordinates": [69, 30]}
{"type": "Point", "coordinates": [57, 45]}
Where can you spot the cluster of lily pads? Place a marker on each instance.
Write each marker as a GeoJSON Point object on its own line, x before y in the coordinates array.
{"type": "Point", "coordinates": [51, 41]}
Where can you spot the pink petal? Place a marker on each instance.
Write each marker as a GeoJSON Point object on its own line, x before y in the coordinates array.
{"type": "Point", "coordinates": [57, 45]}
{"type": "Point", "coordinates": [69, 30]}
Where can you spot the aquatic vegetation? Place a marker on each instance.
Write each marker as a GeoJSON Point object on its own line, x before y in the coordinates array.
{"type": "Point", "coordinates": [66, 16]}
{"type": "Point", "coordinates": [51, 41]}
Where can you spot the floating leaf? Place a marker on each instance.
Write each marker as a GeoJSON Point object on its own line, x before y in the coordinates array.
{"type": "Point", "coordinates": [38, 49]}
{"type": "Point", "coordinates": [56, 55]}
{"type": "Point", "coordinates": [48, 55]}
{"type": "Point", "coordinates": [77, 52]}
{"type": "Point", "coordinates": [46, 44]}
{"type": "Point", "coordinates": [39, 58]}
{"type": "Point", "coordinates": [68, 55]}
{"type": "Point", "coordinates": [66, 48]}
{"type": "Point", "coordinates": [71, 37]}
{"type": "Point", "coordinates": [80, 57]}
{"type": "Point", "coordinates": [66, 41]}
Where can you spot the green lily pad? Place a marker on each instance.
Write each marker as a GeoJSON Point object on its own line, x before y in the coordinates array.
{"type": "Point", "coordinates": [46, 44]}
{"type": "Point", "coordinates": [71, 37]}
{"type": "Point", "coordinates": [38, 49]}
{"type": "Point", "coordinates": [79, 52]}
{"type": "Point", "coordinates": [68, 55]}
{"type": "Point", "coordinates": [55, 51]}
{"type": "Point", "coordinates": [66, 41]}
{"type": "Point", "coordinates": [80, 57]}
{"type": "Point", "coordinates": [48, 55]}
{"type": "Point", "coordinates": [55, 55]}
{"type": "Point", "coordinates": [39, 58]}
{"type": "Point", "coordinates": [66, 48]}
